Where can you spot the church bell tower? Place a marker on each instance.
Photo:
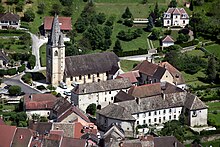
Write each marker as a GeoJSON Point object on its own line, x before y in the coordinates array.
{"type": "Point", "coordinates": [55, 55]}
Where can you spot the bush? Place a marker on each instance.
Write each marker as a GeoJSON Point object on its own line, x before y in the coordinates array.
{"type": "Point", "coordinates": [50, 87]}
{"type": "Point", "coordinates": [128, 22]}
{"type": "Point", "coordinates": [140, 51]}
{"type": "Point", "coordinates": [210, 132]}
{"type": "Point", "coordinates": [14, 90]}
{"type": "Point", "coordinates": [129, 35]}
{"type": "Point", "coordinates": [54, 93]}
{"type": "Point", "coordinates": [189, 43]}
{"type": "Point", "coordinates": [21, 68]}
{"type": "Point", "coordinates": [31, 61]}
{"type": "Point", "coordinates": [11, 71]}
{"type": "Point", "coordinates": [27, 78]}
{"type": "Point", "coordinates": [91, 109]}
{"type": "Point", "coordinates": [167, 32]}
{"type": "Point", "coordinates": [41, 87]}
{"type": "Point", "coordinates": [2, 72]}
{"type": "Point", "coordinates": [29, 15]}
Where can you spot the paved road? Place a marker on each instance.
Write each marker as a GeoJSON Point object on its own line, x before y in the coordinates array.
{"type": "Point", "coordinates": [36, 44]}
{"type": "Point", "coordinates": [135, 58]}
{"type": "Point", "coordinates": [189, 48]}
{"type": "Point", "coordinates": [16, 81]}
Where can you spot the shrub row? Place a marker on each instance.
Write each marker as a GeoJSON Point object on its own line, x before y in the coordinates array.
{"type": "Point", "coordinates": [208, 43]}
{"type": "Point", "coordinates": [140, 51]}
{"type": "Point", "coordinates": [203, 87]}
{"type": "Point", "coordinates": [210, 132]}
{"type": "Point", "coordinates": [11, 31]}
{"type": "Point", "coordinates": [12, 71]}
{"type": "Point", "coordinates": [189, 43]}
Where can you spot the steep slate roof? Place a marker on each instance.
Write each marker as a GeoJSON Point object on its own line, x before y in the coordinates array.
{"type": "Point", "coordinates": [153, 89]}
{"type": "Point", "coordinates": [102, 86]}
{"type": "Point", "coordinates": [194, 103]}
{"type": "Point", "coordinates": [122, 96]}
{"type": "Point", "coordinates": [177, 11]}
{"type": "Point", "coordinates": [53, 140]}
{"type": "Point", "coordinates": [64, 22]}
{"type": "Point", "coordinates": [132, 75]}
{"type": "Point", "coordinates": [177, 76]}
{"type": "Point", "coordinates": [40, 127]}
{"type": "Point", "coordinates": [9, 17]}
{"type": "Point", "coordinates": [72, 142]}
{"type": "Point", "coordinates": [6, 134]}
{"type": "Point", "coordinates": [61, 107]}
{"type": "Point", "coordinates": [167, 141]}
{"type": "Point", "coordinates": [150, 69]}
{"type": "Point", "coordinates": [22, 137]}
{"type": "Point", "coordinates": [154, 103]}
{"type": "Point", "coordinates": [168, 38]}
{"type": "Point", "coordinates": [39, 101]}
{"type": "Point", "coordinates": [116, 112]}
{"type": "Point", "coordinates": [68, 128]}
{"type": "Point", "coordinates": [90, 136]}
{"type": "Point", "coordinates": [91, 64]}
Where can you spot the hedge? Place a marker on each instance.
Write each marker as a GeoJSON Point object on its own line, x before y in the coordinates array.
{"type": "Point", "coordinates": [21, 68]}
{"type": "Point", "coordinates": [189, 43]}
{"type": "Point", "coordinates": [11, 71]}
{"type": "Point", "coordinates": [203, 87]}
{"type": "Point", "coordinates": [12, 31]}
{"type": "Point", "coordinates": [210, 132]}
{"type": "Point", "coordinates": [140, 51]}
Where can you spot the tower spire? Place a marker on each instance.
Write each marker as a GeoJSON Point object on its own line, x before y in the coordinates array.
{"type": "Point", "coordinates": [56, 36]}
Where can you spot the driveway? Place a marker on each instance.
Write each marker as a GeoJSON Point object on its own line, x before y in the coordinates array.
{"type": "Point", "coordinates": [16, 81]}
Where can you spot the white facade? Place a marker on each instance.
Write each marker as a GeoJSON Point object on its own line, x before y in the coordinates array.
{"type": "Point", "coordinates": [167, 44]}
{"type": "Point", "coordinates": [157, 116]}
{"type": "Point", "coordinates": [45, 113]}
{"type": "Point", "coordinates": [99, 98]}
{"type": "Point", "coordinates": [9, 24]}
{"type": "Point", "coordinates": [198, 117]}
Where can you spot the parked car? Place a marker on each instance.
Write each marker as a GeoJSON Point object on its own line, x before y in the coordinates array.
{"type": "Point", "coordinates": [74, 84]}
{"type": "Point", "coordinates": [63, 85]}
{"type": "Point", "coordinates": [68, 93]}
{"type": "Point", "coordinates": [7, 86]}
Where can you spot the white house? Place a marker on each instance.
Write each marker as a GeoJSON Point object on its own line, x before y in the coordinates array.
{"type": "Point", "coordinates": [175, 17]}
{"type": "Point", "coordinates": [101, 93]}
{"type": "Point", "coordinates": [156, 110]}
{"type": "Point", "coordinates": [167, 41]}
{"type": "Point", "coordinates": [9, 20]}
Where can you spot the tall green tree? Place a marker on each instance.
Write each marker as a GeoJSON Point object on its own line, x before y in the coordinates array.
{"type": "Point", "coordinates": [41, 8]}
{"type": "Point", "coordinates": [127, 13]}
{"type": "Point", "coordinates": [56, 9]}
{"type": "Point", "coordinates": [14, 90]}
{"type": "Point", "coordinates": [155, 33]}
{"type": "Point", "coordinates": [117, 48]}
{"type": "Point", "coordinates": [191, 5]}
{"type": "Point", "coordinates": [2, 9]}
{"type": "Point", "coordinates": [156, 11]}
{"type": "Point", "coordinates": [91, 109]}
{"type": "Point", "coordinates": [29, 15]}
{"type": "Point", "coordinates": [173, 4]}
{"type": "Point", "coordinates": [211, 69]}
{"type": "Point", "coordinates": [150, 24]}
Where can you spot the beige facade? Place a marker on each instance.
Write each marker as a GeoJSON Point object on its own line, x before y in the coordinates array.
{"type": "Point", "coordinates": [198, 117]}
{"type": "Point", "coordinates": [167, 77]}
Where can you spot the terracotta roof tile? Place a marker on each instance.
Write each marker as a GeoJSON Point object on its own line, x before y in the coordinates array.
{"type": "Point", "coordinates": [73, 142]}
{"type": "Point", "coordinates": [132, 76]}
{"type": "Point", "coordinates": [65, 23]}
{"type": "Point", "coordinates": [22, 137]}
{"type": "Point", "coordinates": [6, 134]}
{"type": "Point", "coordinates": [40, 127]}
{"type": "Point", "coordinates": [168, 39]}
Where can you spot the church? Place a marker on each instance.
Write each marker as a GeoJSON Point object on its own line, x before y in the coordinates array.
{"type": "Point", "coordinates": [77, 69]}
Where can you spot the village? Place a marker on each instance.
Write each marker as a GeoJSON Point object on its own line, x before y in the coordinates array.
{"type": "Point", "coordinates": [84, 74]}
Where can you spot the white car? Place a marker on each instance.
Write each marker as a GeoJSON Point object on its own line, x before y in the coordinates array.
{"type": "Point", "coordinates": [63, 85]}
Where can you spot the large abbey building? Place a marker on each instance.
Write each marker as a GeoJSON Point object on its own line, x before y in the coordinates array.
{"type": "Point", "coordinates": [76, 69]}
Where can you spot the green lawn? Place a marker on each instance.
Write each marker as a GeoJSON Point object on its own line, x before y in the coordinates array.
{"type": "Point", "coordinates": [196, 53]}
{"type": "Point", "coordinates": [43, 55]}
{"type": "Point", "coordinates": [213, 106]}
{"type": "Point", "coordinates": [215, 49]}
{"type": "Point", "coordinates": [127, 65]}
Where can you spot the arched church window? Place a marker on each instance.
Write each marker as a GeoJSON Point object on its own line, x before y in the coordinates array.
{"type": "Point", "coordinates": [56, 53]}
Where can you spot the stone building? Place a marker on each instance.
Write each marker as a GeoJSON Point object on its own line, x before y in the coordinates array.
{"type": "Point", "coordinates": [76, 69]}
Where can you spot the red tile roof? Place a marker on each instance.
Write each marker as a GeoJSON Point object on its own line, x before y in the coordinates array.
{"type": "Point", "coordinates": [73, 142]}
{"type": "Point", "coordinates": [39, 101]}
{"type": "Point", "coordinates": [6, 134]}
{"type": "Point", "coordinates": [168, 39]}
{"type": "Point", "coordinates": [178, 11]}
{"type": "Point", "coordinates": [65, 23]}
{"type": "Point", "coordinates": [22, 137]}
{"type": "Point", "coordinates": [132, 76]}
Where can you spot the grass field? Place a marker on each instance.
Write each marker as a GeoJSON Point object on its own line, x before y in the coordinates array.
{"type": "Point", "coordinates": [213, 106]}
{"type": "Point", "coordinates": [215, 49]}
{"type": "Point", "coordinates": [127, 65]}
{"type": "Point", "coordinates": [43, 55]}
{"type": "Point", "coordinates": [196, 53]}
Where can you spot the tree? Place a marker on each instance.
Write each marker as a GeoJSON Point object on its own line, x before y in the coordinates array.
{"type": "Point", "coordinates": [127, 13]}
{"type": "Point", "coordinates": [19, 6]}
{"type": "Point", "coordinates": [150, 24]}
{"type": "Point", "coordinates": [108, 32]}
{"type": "Point", "coordinates": [29, 15]}
{"type": "Point", "coordinates": [81, 25]}
{"type": "Point", "coordinates": [117, 48]}
{"type": "Point", "coordinates": [173, 4]}
{"type": "Point", "coordinates": [191, 5]}
{"type": "Point", "coordinates": [35, 117]}
{"type": "Point", "coordinates": [128, 22]}
{"type": "Point", "coordinates": [68, 11]}
{"type": "Point", "coordinates": [156, 11]}
{"type": "Point", "coordinates": [91, 109]}
{"type": "Point", "coordinates": [66, 2]}
{"type": "Point", "coordinates": [173, 128]}
{"type": "Point", "coordinates": [2, 9]}
{"type": "Point", "coordinates": [182, 38]}
{"type": "Point", "coordinates": [14, 90]}
{"type": "Point", "coordinates": [41, 8]}
{"type": "Point", "coordinates": [155, 33]}
{"type": "Point", "coordinates": [100, 18]}
{"type": "Point", "coordinates": [211, 69]}
{"type": "Point", "coordinates": [144, 1]}
{"type": "Point", "coordinates": [56, 9]}
{"type": "Point", "coordinates": [27, 78]}
{"type": "Point", "coordinates": [31, 61]}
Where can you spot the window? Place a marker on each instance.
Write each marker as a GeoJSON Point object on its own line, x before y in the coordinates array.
{"type": "Point", "coordinates": [159, 112]}
{"type": "Point", "coordinates": [164, 111]}
{"type": "Point", "coordinates": [80, 77]}
{"type": "Point", "coordinates": [155, 119]}
{"type": "Point", "coordinates": [105, 99]}
{"type": "Point", "coordinates": [144, 121]}
{"type": "Point", "coordinates": [159, 120]}
{"type": "Point", "coordinates": [174, 116]}
{"type": "Point", "coordinates": [89, 76]}
{"type": "Point", "coordinates": [155, 112]}
{"type": "Point", "coordinates": [127, 128]}
{"type": "Point", "coordinates": [174, 110]}
{"type": "Point", "coordinates": [56, 53]}
{"type": "Point", "coordinates": [138, 122]}
{"type": "Point", "coordinates": [169, 117]}
{"type": "Point", "coordinates": [109, 92]}
{"type": "Point", "coordinates": [71, 78]}
{"type": "Point", "coordinates": [149, 120]}
{"type": "Point", "coordinates": [170, 110]}
{"type": "Point", "coordinates": [137, 115]}
{"type": "Point", "coordinates": [144, 115]}
{"type": "Point", "coordinates": [168, 21]}
{"type": "Point", "coordinates": [183, 21]}
{"type": "Point", "coordinates": [176, 16]}
{"type": "Point", "coordinates": [194, 114]}
{"type": "Point", "coordinates": [97, 74]}
{"type": "Point", "coordinates": [149, 113]}
{"type": "Point", "coordinates": [164, 118]}
{"type": "Point", "coordinates": [112, 98]}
